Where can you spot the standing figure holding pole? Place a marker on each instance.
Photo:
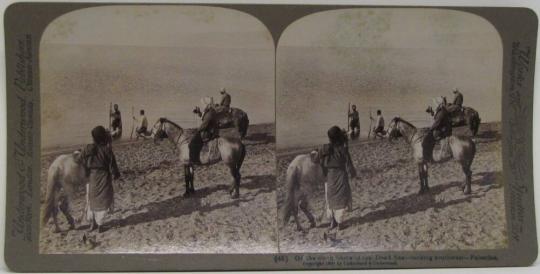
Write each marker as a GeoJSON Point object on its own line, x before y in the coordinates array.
{"type": "Point", "coordinates": [354, 122]}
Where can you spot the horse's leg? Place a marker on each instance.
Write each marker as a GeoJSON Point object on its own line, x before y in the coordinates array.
{"type": "Point", "coordinates": [235, 187]}
{"type": "Point", "coordinates": [64, 207]}
{"type": "Point", "coordinates": [188, 180]}
{"type": "Point", "coordinates": [55, 219]}
{"type": "Point", "coordinates": [304, 206]}
{"type": "Point", "coordinates": [466, 187]}
{"type": "Point", "coordinates": [296, 219]}
{"type": "Point", "coordinates": [192, 179]}
{"type": "Point", "coordinates": [426, 176]}
{"type": "Point", "coordinates": [421, 177]}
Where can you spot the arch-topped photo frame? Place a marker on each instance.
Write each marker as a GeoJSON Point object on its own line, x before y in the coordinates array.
{"type": "Point", "coordinates": [147, 137]}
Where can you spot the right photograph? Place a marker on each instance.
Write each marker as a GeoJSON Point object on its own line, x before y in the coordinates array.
{"type": "Point", "coordinates": [388, 128]}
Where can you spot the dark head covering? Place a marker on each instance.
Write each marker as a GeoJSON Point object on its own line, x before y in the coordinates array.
{"type": "Point", "coordinates": [99, 134]}
{"type": "Point", "coordinates": [335, 135]}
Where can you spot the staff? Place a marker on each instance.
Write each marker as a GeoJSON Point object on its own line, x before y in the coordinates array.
{"type": "Point", "coordinates": [132, 122]}
{"type": "Point", "coordinates": [370, 123]}
{"type": "Point", "coordinates": [349, 117]}
{"type": "Point", "coordinates": [110, 112]}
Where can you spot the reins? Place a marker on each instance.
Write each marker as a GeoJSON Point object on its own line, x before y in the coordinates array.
{"type": "Point", "coordinates": [412, 135]}
{"type": "Point", "coordinates": [177, 143]}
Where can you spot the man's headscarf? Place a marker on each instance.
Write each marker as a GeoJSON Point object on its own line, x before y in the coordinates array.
{"type": "Point", "coordinates": [100, 135]}
{"type": "Point", "coordinates": [437, 101]}
{"type": "Point", "coordinates": [455, 90]}
{"type": "Point", "coordinates": [205, 102]}
{"type": "Point", "coordinates": [222, 90]}
{"type": "Point", "coordinates": [335, 134]}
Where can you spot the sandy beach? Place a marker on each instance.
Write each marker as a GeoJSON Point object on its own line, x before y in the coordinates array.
{"type": "Point", "coordinates": [389, 215]}
{"type": "Point", "coordinates": [152, 216]}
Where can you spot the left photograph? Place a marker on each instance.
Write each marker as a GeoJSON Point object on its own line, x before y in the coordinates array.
{"type": "Point", "coordinates": [157, 132]}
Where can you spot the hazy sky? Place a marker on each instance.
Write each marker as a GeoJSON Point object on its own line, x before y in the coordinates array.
{"type": "Point", "coordinates": [392, 28]}
{"type": "Point", "coordinates": [162, 26]}
{"type": "Point", "coordinates": [395, 60]}
{"type": "Point", "coordinates": [159, 58]}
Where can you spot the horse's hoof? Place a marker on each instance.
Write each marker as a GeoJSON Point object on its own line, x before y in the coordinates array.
{"type": "Point", "coordinates": [313, 225]}
{"type": "Point", "coordinates": [467, 191]}
{"type": "Point", "coordinates": [235, 195]}
{"type": "Point", "coordinates": [186, 194]}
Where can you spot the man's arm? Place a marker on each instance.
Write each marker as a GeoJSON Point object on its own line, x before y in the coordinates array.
{"type": "Point", "coordinates": [437, 122]}
{"type": "Point", "coordinates": [206, 120]}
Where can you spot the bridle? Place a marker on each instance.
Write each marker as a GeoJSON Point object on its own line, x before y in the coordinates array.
{"type": "Point", "coordinates": [177, 143]}
{"type": "Point", "coordinates": [397, 119]}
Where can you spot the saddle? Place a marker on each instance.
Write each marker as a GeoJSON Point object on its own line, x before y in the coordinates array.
{"type": "Point", "coordinates": [224, 117]}
{"type": "Point", "coordinates": [457, 117]}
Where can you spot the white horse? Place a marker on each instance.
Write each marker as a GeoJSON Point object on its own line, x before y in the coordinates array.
{"type": "Point", "coordinates": [304, 174]}
{"type": "Point", "coordinates": [462, 149]}
{"type": "Point", "coordinates": [63, 176]}
{"type": "Point", "coordinates": [231, 151]}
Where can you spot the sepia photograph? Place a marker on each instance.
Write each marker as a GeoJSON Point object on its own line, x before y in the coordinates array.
{"type": "Point", "coordinates": [157, 132]}
{"type": "Point", "coordinates": [389, 132]}
{"type": "Point", "coordinates": [273, 137]}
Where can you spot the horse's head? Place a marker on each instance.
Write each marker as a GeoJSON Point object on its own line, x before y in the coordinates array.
{"type": "Point", "coordinates": [197, 110]}
{"type": "Point", "coordinates": [159, 129]}
{"type": "Point", "coordinates": [165, 128]}
{"type": "Point", "coordinates": [314, 155]}
{"type": "Point", "coordinates": [430, 110]}
{"type": "Point", "coordinates": [393, 129]}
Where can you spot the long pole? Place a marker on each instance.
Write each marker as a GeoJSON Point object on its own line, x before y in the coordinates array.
{"type": "Point", "coordinates": [110, 116]}
{"type": "Point", "coordinates": [348, 118]}
{"type": "Point", "coordinates": [370, 123]}
{"type": "Point", "coordinates": [132, 122]}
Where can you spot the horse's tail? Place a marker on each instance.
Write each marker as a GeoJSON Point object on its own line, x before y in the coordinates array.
{"type": "Point", "coordinates": [244, 125]}
{"type": "Point", "coordinates": [477, 123]}
{"type": "Point", "coordinates": [291, 185]}
{"type": "Point", "coordinates": [474, 121]}
{"type": "Point", "coordinates": [50, 195]}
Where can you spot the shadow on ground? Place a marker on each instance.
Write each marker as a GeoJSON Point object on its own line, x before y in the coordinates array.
{"type": "Point", "coordinates": [414, 203]}
{"type": "Point", "coordinates": [178, 206]}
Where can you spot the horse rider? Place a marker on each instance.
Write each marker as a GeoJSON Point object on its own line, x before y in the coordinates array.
{"type": "Point", "coordinates": [142, 130]}
{"type": "Point", "coordinates": [205, 133]}
{"type": "Point", "coordinates": [225, 104]}
{"type": "Point", "coordinates": [457, 104]}
{"type": "Point", "coordinates": [355, 119]}
{"type": "Point", "coordinates": [440, 129]}
{"type": "Point", "coordinates": [116, 124]}
{"type": "Point", "coordinates": [337, 166]}
{"type": "Point", "coordinates": [379, 125]}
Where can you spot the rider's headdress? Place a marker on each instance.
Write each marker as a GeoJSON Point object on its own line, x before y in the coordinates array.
{"type": "Point", "coordinates": [206, 101]}
{"type": "Point", "coordinates": [437, 101]}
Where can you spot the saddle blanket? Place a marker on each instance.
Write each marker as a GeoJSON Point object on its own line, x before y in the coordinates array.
{"type": "Point", "coordinates": [210, 152]}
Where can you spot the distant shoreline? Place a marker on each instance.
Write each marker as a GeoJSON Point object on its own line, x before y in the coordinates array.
{"type": "Point", "coordinates": [295, 150]}
{"type": "Point", "coordinates": [122, 142]}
